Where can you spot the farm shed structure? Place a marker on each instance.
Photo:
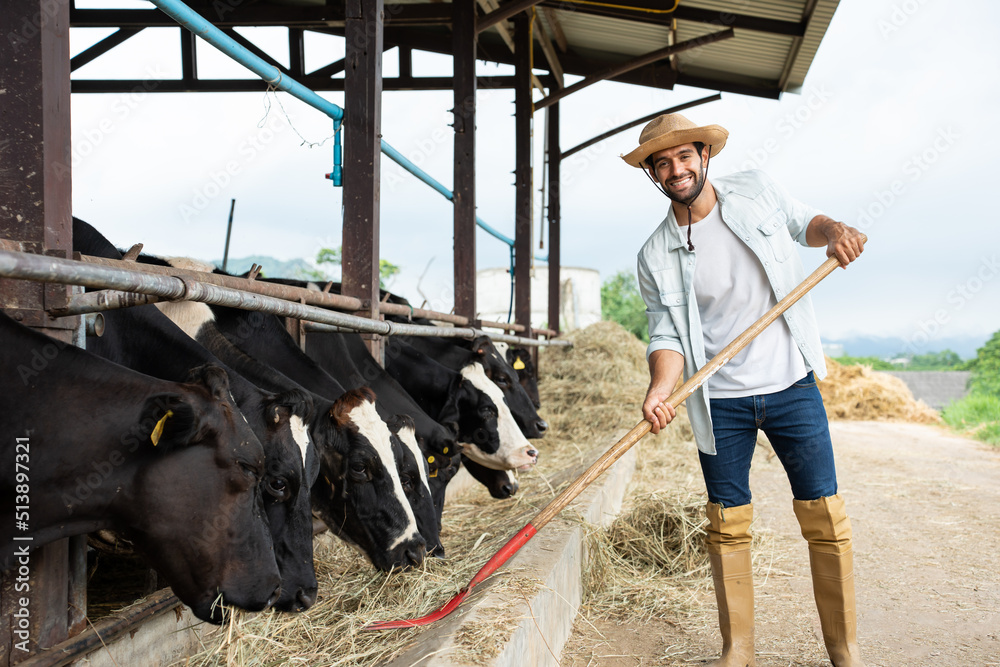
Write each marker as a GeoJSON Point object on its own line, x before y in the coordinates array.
{"type": "Point", "coordinates": [761, 49]}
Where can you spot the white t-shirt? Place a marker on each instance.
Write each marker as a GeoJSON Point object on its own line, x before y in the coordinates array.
{"type": "Point", "coordinates": [733, 292]}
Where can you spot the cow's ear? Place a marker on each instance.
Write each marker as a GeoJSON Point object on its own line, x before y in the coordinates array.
{"type": "Point", "coordinates": [214, 378]}
{"type": "Point", "coordinates": [167, 421]}
{"type": "Point", "coordinates": [287, 403]}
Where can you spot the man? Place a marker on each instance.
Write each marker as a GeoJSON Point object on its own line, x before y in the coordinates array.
{"type": "Point", "coordinates": [697, 301]}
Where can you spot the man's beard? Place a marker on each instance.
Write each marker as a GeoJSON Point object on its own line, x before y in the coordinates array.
{"type": "Point", "coordinates": [689, 194]}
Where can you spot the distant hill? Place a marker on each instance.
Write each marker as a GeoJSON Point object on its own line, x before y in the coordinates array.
{"type": "Point", "coordinates": [273, 268]}
{"type": "Point", "coordinates": [888, 347]}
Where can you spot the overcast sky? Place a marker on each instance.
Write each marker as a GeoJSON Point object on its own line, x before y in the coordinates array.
{"type": "Point", "coordinates": [893, 132]}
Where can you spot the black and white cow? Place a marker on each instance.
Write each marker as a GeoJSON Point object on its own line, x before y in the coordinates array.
{"type": "Point", "coordinates": [467, 400]}
{"type": "Point", "coordinates": [376, 512]}
{"type": "Point", "coordinates": [144, 339]}
{"type": "Point", "coordinates": [480, 361]}
{"type": "Point", "coordinates": [348, 360]}
{"type": "Point", "coordinates": [89, 445]}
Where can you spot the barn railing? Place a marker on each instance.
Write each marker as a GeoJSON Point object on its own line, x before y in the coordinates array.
{"type": "Point", "coordinates": [137, 286]}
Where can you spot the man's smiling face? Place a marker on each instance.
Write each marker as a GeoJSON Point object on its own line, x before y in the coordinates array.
{"type": "Point", "coordinates": [679, 170]}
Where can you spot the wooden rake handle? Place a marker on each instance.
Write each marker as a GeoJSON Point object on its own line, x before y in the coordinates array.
{"type": "Point", "coordinates": [617, 450]}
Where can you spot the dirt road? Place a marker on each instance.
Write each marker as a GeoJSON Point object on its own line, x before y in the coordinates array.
{"type": "Point", "coordinates": [925, 508]}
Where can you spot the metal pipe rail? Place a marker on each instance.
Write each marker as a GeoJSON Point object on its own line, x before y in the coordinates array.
{"type": "Point", "coordinates": [40, 268]}
{"type": "Point", "coordinates": [445, 332]}
{"type": "Point", "coordinates": [112, 299]}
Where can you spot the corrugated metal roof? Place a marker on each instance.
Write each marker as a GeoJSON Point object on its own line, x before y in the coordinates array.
{"type": "Point", "coordinates": [759, 59]}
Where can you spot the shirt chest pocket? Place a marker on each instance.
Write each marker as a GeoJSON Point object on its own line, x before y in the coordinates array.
{"type": "Point", "coordinates": [676, 303]}
{"type": "Point", "coordinates": [778, 240]}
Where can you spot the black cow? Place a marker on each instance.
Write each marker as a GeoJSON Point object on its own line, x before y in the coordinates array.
{"type": "Point", "coordinates": [348, 360]}
{"type": "Point", "coordinates": [144, 339]}
{"type": "Point", "coordinates": [89, 445]}
{"type": "Point", "coordinates": [470, 402]}
{"type": "Point", "coordinates": [379, 512]}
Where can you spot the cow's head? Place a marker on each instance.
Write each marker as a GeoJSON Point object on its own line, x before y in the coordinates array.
{"type": "Point", "coordinates": [514, 450]}
{"type": "Point", "coordinates": [197, 509]}
{"type": "Point", "coordinates": [292, 466]}
{"type": "Point", "coordinates": [413, 469]}
{"type": "Point", "coordinates": [359, 494]}
{"type": "Point", "coordinates": [500, 372]}
{"type": "Point", "coordinates": [472, 415]}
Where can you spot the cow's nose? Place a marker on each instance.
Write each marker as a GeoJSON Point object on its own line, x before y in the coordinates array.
{"type": "Point", "coordinates": [415, 556]}
{"type": "Point", "coordinates": [533, 453]}
{"type": "Point", "coordinates": [507, 490]}
{"type": "Point", "coordinates": [274, 597]}
{"type": "Point", "coordinates": [305, 598]}
{"type": "Point", "coordinates": [437, 551]}
{"type": "Point", "coordinates": [542, 425]}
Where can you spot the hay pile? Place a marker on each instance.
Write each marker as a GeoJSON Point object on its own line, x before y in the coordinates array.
{"type": "Point", "coordinates": [858, 392]}
{"type": "Point", "coordinates": [596, 388]}
{"type": "Point", "coordinates": [651, 561]}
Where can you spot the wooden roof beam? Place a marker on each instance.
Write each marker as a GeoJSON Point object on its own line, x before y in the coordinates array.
{"type": "Point", "coordinates": [500, 14]}
{"type": "Point", "coordinates": [97, 50]}
{"type": "Point", "coordinates": [556, 27]}
{"type": "Point", "coordinates": [635, 63]}
{"type": "Point", "coordinates": [550, 54]}
{"type": "Point", "coordinates": [490, 6]}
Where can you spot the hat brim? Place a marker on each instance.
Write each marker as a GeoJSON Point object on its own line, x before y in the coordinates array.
{"type": "Point", "coordinates": [710, 135]}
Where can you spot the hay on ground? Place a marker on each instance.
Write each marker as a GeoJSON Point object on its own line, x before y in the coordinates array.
{"type": "Point", "coordinates": [858, 392]}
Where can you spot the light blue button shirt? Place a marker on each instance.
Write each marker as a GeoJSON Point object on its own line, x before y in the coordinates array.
{"type": "Point", "coordinates": [760, 213]}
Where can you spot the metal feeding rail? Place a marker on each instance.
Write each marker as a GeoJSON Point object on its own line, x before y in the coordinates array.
{"type": "Point", "coordinates": [132, 286]}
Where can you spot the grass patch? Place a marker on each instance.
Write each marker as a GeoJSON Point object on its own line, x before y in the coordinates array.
{"type": "Point", "coordinates": [976, 415]}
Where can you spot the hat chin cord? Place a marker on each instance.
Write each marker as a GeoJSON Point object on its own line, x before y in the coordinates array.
{"type": "Point", "coordinates": [690, 202]}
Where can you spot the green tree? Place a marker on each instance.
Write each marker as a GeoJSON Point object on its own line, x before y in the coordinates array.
{"type": "Point", "coordinates": [986, 368]}
{"type": "Point", "coordinates": [935, 361]}
{"type": "Point", "coordinates": [335, 257]}
{"type": "Point", "coordinates": [622, 303]}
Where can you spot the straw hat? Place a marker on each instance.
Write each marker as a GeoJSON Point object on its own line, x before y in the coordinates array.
{"type": "Point", "coordinates": [671, 130]}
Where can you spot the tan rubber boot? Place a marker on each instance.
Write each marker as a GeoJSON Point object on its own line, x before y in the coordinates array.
{"type": "Point", "coordinates": [728, 544]}
{"type": "Point", "coordinates": [826, 527]}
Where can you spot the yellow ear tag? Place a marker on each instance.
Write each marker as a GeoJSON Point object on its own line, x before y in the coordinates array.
{"type": "Point", "coordinates": [518, 364]}
{"type": "Point", "coordinates": [444, 451]}
{"type": "Point", "coordinates": [158, 429]}
{"type": "Point", "coordinates": [430, 459]}
{"type": "Point", "coordinates": [433, 474]}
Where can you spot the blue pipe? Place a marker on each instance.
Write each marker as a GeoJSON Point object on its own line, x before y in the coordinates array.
{"type": "Point", "coordinates": [194, 22]}
{"type": "Point", "coordinates": [197, 24]}
{"type": "Point", "coordinates": [422, 175]}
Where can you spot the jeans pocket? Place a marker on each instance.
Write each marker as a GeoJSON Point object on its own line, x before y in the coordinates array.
{"type": "Point", "coordinates": [808, 382]}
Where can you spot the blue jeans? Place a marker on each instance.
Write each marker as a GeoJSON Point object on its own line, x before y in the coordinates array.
{"type": "Point", "coordinates": [793, 420]}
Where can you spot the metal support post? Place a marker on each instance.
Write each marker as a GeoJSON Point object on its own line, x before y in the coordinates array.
{"type": "Point", "coordinates": [362, 152]}
{"type": "Point", "coordinates": [464, 58]}
{"type": "Point", "coordinates": [522, 170]}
